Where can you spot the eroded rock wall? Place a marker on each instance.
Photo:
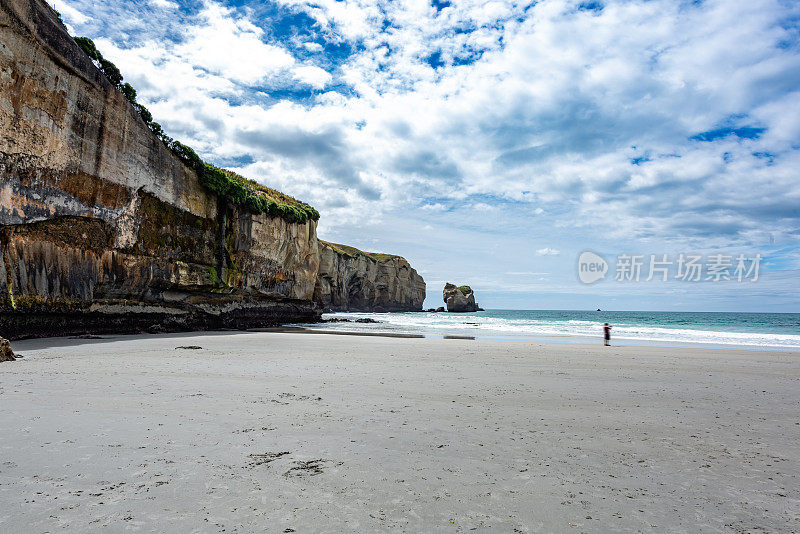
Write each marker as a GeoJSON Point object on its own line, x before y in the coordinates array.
{"type": "Point", "coordinates": [102, 227]}
{"type": "Point", "coordinates": [358, 281]}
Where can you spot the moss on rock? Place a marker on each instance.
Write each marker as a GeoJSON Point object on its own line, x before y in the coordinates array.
{"type": "Point", "coordinates": [353, 252]}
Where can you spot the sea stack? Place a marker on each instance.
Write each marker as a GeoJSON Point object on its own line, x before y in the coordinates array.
{"type": "Point", "coordinates": [459, 299]}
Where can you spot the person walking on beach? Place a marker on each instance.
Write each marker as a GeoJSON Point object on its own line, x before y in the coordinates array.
{"type": "Point", "coordinates": [607, 334]}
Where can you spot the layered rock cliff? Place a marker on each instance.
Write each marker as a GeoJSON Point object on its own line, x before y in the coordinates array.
{"type": "Point", "coordinates": [102, 228]}
{"type": "Point", "coordinates": [352, 280]}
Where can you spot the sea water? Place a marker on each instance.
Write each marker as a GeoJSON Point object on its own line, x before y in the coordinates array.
{"type": "Point", "coordinates": [748, 330]}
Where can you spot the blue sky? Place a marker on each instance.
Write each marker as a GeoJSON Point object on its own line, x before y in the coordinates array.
{"type": "Point", "coordinates": [491, 142]}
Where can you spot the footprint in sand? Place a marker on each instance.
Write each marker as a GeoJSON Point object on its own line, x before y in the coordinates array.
{"type": "Point", "coordinates": [265, 458]}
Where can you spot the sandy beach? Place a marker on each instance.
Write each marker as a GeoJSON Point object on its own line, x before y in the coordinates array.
{"type": "Point", "coordinates": [285, 432]}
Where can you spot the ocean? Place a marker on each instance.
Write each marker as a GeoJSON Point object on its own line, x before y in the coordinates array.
{"type": "Point", "coordinates": [728, 329]}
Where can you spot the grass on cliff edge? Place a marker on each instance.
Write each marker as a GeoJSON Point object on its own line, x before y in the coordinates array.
{"type": "Point", "coordinates": [353, 252]}
{"type": "Point", "coordinates": [236, 189]}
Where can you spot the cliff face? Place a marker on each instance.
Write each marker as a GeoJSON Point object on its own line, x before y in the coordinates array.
{"type": "Point", "coordinates": [352, 280]}
{"type": "Point", "coordinates": [102, 227]}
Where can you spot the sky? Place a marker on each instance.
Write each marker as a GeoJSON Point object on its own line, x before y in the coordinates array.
{"type": "Point", "coordinates": [490, 143]}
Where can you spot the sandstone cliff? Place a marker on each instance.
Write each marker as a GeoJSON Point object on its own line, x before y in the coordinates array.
{"type": "Point", "coordinates": [102, 228]}
{"type": "Point", "coordinates": [352, 280]}
{"type": "Point", "coordinates": [459, 299]}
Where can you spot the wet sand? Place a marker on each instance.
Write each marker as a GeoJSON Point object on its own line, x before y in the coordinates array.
{"type": "Point", "coordinates": [282, 432]}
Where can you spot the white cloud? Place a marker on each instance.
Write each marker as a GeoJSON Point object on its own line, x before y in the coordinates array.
{"type": "Point", "coordinates": [313, 76]}
{"type": "Point", "coordinates": [69, 13]}
{"type": "Point", "coordinates": [231, 47]}
{"type": "Point", "coordinates": [547, 251]}
{"type": "Point", "coordinates": [312, 47]}
{"type": "Point", "coordinates": [166, 4]}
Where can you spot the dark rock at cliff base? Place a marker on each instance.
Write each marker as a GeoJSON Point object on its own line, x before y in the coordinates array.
{"type": "Point", "coordinates": [6, 354]}
{"type": "Point", "coordinates": [21, 325]}
{"type": "Point", "coordinates": [440, 309]}
{"type": "Point", "coordinates": [344, 320]}
{"type": "Point", "coordinates": [459, 299]}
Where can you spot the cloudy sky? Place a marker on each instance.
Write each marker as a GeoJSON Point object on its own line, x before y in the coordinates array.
{"type": "Point", "coordinates": [491, 142]}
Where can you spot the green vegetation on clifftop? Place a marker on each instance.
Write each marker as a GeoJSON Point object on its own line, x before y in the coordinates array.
{"type": "Point", "coordinates": [352, 252]}
{"type": "Point", "coordinates": [239, 191]}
